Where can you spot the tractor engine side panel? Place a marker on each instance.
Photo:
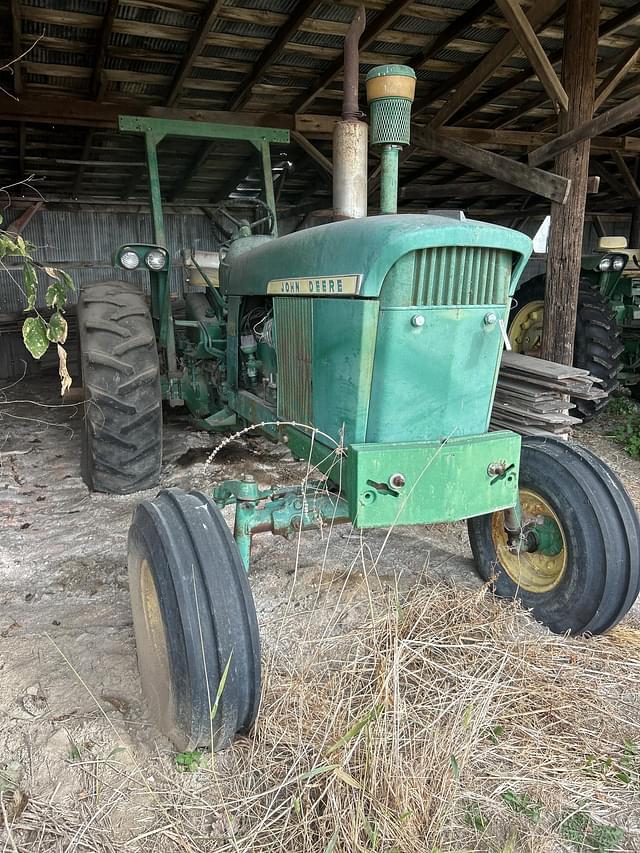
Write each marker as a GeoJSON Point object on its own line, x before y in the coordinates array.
{"type": "Point", "coordinates": [325, 349]}
{"type": "Point", "coordinates": [439, 344]}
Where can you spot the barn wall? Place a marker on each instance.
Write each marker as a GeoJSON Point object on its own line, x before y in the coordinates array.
{"type": "Point", "coordinates": [94, 236]}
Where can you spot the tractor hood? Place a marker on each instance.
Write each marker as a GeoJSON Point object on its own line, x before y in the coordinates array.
{"type": "Point", "coordinates": [363, 248]}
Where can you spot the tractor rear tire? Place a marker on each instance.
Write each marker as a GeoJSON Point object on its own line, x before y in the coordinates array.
{"type": "Point", "coordinates": [595, 578]}
{"type": "Point", "coordinates": [597, 344]}
{"type": "Point", "coordinates": [122, 430]}
{"type": "Point", "coordinates": [194, 619]}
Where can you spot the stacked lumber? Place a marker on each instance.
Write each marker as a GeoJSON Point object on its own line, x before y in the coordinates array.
{"type": "Point", "coordinates": [532, 395]}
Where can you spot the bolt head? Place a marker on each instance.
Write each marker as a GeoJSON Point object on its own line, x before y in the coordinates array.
{"type": "Point", "coordinates": [397, 481]}
{"type": "Point", "coordinates": [417, 320]}
{"type": "Point", "coordinates": [490, 318]}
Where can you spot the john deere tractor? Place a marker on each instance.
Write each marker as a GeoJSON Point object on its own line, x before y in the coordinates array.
{"type": "Point", "coordinates": [371, 346]}
{"type": "Point", "coordinates": [607, 341]}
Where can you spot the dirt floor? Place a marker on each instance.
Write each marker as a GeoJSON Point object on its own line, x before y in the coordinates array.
{"type": "Point", "coordinates": [70, 701]}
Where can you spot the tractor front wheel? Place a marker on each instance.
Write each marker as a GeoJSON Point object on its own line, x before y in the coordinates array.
{"type": "Point", "coordinates": [122, 430]}
{"type": "Point", "coordinates": [194, 620]}
{"type": "Point", "coordinates": [597, 345]}
{"type": "Point", "coordinates": [581, 569]}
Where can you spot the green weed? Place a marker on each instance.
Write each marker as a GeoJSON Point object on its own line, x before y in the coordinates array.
{"type": "Point", "coordinates": [188, 762]}
{"type": "Point", "coordinates": [581, 831]}
{"type": "Point", "coordinates": [523, 804]}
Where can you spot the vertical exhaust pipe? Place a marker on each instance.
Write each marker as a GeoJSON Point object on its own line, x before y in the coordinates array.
{"type": "Point", "coordinates": [390, 93]}
{"type": "Point", "coordinates": [350, 135]}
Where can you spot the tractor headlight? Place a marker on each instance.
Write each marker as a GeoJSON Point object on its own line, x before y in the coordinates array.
{"type": "Point", "coordinates": [156, 259]}
{"type": "Point", "coordinates": [619, 263]}
{"type": "Point", "coordinates": [604, 265]}
{"type": "Point", "coordinates": [129, 260]}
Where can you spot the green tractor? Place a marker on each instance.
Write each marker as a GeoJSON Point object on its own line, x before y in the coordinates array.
{"type": "Point", "coordinates": [607, 341]}
{"type": "Point", "coordinates": [371, 346]}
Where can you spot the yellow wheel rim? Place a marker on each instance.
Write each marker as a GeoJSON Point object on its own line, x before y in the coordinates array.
{"type": "Point", "coordinates": [532, 571]}
{"type": "Point", "coordinates": [153, 653]}
{"type": "Point", "coordinates": [525, 333]}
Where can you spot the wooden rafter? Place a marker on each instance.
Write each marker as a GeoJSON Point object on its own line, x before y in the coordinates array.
{"type": "Point", "coordinates": [16, 44]}
{"type": "Point", "coordinates": [596, 127]}
{"type": "Point", "coordinates": [231, 183]}
{"type": "Point", "coordinates": [501, 168]}
{"type": "Point", "coordinates": [96, 85]}
{"type": "Point", "coordinates": [192, 169]}
{"type": "Point", "coordinates": [596, 165]}
{"type": "Point", "coordinates": [537, 16]}
{"type": "Point", "coordinates": [313, 152]}
{"type": "Point", "coordinates": [626, 173]}
{"type": "Point", "coordinates": [451, 32]}
{"type": "Point", "coordinates": [302, 10]}
{"type": "Point", "coordinates": [371, 33]}
{"type": "Point", "coordinates": [607, 28]}
{"type": "Point", "coordinates": [22, 149]}
{"type": "Point", "coordinates": [197, 42]}
{"type": "Point", "coordinates": [86, 150]}
{"type": "Point", "coordinates": [534, 51]}
{"type": "Point", "coordinates": [616, 75]}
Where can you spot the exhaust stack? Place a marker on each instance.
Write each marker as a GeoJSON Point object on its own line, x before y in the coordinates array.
{"type": "Point", "coordinates": [350, 136]}
{"type": "Point", "coordinates": [390, 93]}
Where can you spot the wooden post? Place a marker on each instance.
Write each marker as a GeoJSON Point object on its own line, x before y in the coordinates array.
{"type": "Point", "coordinates": [567, 221]}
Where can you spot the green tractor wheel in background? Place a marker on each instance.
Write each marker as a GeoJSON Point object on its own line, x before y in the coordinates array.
{"type": "Point", "coordinates": [597, 346]}
{"type": "Point", "coordinates": [122, 426]}
{"type": "Point", "coordinates": [582, 570]}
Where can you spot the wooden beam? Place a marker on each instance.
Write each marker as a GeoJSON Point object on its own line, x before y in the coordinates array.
{"type": "Point", "coordinates": [302, 10]}
{"type": "Point", "coordinates": [610, 179]}
{"type": "Point", "coordinates": [625, 171]}
{"type": "Point", "coordinates": [501, 168]}
{"type": "Point", "coordinates": [192, 168]}
{"type": "Point", "coordinates": [473, 189]}
{"type": "Point", "coordinates": [96, 84]}
{"type": "Point", "coordinates": [538, 15]}
{"type": "Point", "coordinates": [313, 152]}
{"type": "Point", "coordinates": [580, 53]}
{"type": "Point", "coordinates": [534, 51]}
{"type": "Point", "coordinates": [16, 45]}
{"type": "Point", "coordinates": [595, 127]}
{"type": "Point", "coordinates": [84, 113]}
{"type": "Point", "coordinates": [616, 75]}
{"type": "Point", "coordinates": [607, 28]}
{"type": "Point", "coordinates": [231, 183]}
{"type": "Point", "coordinates": [451, 32]}
{"type": "Point", "coordinates": [384, 20]}
{"type": "Point", "coordinates": [527, 139]}
{"type": "Point", "coordinates": [194, 48]}
{"type": "Point", "coordinates": [86, 150]}
{"type": "Point", "coordinates": [22, 147]}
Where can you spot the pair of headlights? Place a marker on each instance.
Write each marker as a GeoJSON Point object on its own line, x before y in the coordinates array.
{"type": "Point", "coordinates": [615, 262]}
{"type": "Point", "coordinates": [154, 259]}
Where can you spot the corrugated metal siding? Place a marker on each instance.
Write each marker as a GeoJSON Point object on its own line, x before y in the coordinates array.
{"type": "Point", "coordinates": [84, 236]}
{"type": "Point", "coordinates": [294, 346]}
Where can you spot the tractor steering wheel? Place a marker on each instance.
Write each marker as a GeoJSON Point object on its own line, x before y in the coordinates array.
{"type": "Point", "coordinates": [269, 217]}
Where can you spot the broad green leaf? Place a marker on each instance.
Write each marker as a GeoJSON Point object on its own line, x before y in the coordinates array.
{"type": "Point", "coordinates": [57, 331]}
{"type": "Point", "coordinates": [67, 281]}
{"type": "Point", "coordinates": [56, 296]}
{"type": "Point", "coordinates": [30, 277]}
{"type": "Point", "coordinates": [22, 246]}
{"type": "Point", "coordinates": [7, 246]}
{"type": "Point", "coordinates": [34, 335]}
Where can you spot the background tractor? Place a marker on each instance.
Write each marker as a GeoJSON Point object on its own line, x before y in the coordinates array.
{"type": "Point", "coordinates": [607, 341]}
{"type": "Point", "coordinates": [371, 346]}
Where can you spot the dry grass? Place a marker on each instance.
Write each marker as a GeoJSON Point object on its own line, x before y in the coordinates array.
{"type": "Point", "coordinates": [446, 722]}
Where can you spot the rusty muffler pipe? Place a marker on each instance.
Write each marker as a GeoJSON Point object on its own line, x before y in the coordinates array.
{"type": "Point", "coordinates": [350, 137]}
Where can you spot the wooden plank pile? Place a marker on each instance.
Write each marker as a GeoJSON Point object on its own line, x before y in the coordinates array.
{"type": "Point", "coordinates": [532, 395]}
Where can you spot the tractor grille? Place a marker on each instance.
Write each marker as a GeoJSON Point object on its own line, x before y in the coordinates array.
{"type": "Point", "coordinates": [294, 346]}
{"type": "Point", "coordinates": [461, 275]}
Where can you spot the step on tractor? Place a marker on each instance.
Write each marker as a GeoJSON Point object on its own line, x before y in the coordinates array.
{"type": "Point", "coordinates": [607, 340]}
{"type": "Point", "coordinates": [371, 346]}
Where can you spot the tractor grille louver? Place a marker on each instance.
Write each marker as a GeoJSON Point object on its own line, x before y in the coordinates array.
{"type": "Point", "coordinates": [460, 275]}
{"type": "Point", "coordinates": [294, 346]}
